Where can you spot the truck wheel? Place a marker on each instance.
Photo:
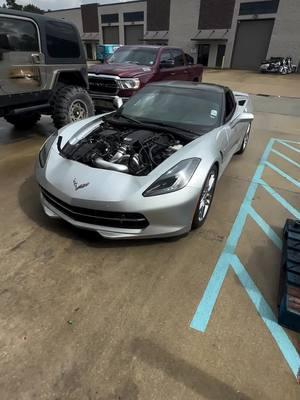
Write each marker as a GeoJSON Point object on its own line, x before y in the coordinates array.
{"type": "Point", "coordinates": [24, 121]}
{"type": "Point", "coordinates": [71, 104]}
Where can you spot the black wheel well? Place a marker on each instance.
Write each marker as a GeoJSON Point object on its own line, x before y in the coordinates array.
{"type": "Point", "coordinates": [71, 78]}
{"type": "Point", "coordinates": [217, 165]}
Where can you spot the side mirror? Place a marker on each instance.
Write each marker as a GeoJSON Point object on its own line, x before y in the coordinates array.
{"type": "Point", "coordinates": [167, 64]}
{"type": "Point", "coordinates": [118, 102]}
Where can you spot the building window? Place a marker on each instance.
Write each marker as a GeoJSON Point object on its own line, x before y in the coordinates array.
{"type": "Point", "coordinates": [216, 14]}
{"type": "Point", "coordinates": [134, 16]}
{"type": "Point", "coordinates": [220, 55]}
{"type": "Point", "coordinates": [203, 53]}
{"type": "Point", "coordinates": [62, 40]}
{"type": "Point", "coordinates": [109, 18]}
{"type": "Point", "coordinates": [259, 7]}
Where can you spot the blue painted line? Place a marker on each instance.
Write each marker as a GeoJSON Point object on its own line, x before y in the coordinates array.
{"type": "Point", "coordinates": [280, 199]}
{"type": "Point", "coordinates": [285, 345]}
{"type": "Point", "coordinates": [289, 146]}
{"type": "Point", "coordinates": [206, 306]}
{"type": "Point", "coordinates": [286, 158]}
{"type": "Point", "coordinates": [228, 259]}
{"type": "Point", "coordinates": [283, 174]}
{"type": "Point", "coordinates": [288, 141]}
{"type": "Point", "coordinates": [272, 235]}
{"type": "Point", "coordinates": [207, 303]}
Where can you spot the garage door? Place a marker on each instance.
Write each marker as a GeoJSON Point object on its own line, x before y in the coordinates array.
{"type": "Point", "coordinates": [110, 34]}
{"type": "Point", "coordinates": [134, 34]}
{"type": "Point", "coordinates": [251, 43]}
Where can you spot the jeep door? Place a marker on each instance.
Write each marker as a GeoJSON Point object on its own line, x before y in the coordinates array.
{"type": "Point", "coordinates": [20, 55]}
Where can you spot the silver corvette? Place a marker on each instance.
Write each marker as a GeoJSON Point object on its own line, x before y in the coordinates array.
{"type": "Point", "coordinates": [149, 168]}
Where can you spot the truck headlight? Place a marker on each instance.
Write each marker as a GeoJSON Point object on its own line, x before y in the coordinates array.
{"type": "Point", "coordinates": [43, 155]}
{"type": "Point", "coordinates": [174, 179]}
{"type": "Point", "coordinates": [133, 83]}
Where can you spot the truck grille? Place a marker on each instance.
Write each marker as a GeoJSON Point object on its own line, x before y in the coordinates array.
{"type": "Point", "coordinates": [103, 85]}
{"type": "Point", "coordinates": [97, 217]}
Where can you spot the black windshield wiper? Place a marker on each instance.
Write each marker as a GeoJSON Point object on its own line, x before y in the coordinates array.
{"type": "Point", "coordinates": [172, 127]}
{"type": "Point", "coordinates": [130, 119]}
{"type": "Point", "coordinates": [115, 119]}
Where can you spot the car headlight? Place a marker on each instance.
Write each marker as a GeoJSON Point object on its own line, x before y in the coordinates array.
{"type": "Point", "coordinates": [43, 155]}
{"type": "Point", "coordinates": [174, 179]}
{"type": "Point", "coordinates": [133, 83]}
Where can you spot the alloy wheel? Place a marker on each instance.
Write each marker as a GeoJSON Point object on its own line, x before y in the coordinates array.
{"type": "Point", "coordinates": [78, 111]}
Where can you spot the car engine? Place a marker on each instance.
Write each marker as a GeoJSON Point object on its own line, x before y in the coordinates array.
{"type": "Point", "coordinates": [133, 151]}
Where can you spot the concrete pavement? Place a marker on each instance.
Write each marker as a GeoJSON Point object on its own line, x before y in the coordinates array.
{"type": "Point", "coordinates": [83, 318]}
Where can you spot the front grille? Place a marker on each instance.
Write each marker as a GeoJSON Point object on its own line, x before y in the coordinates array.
{"type": "Point", "coordinates": [97, 217]}
{"type": "Point", "coordinates": [103, 85]}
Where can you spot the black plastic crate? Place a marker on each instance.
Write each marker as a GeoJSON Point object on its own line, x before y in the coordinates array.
{"type": "Point", "coordinates": [289, 287]}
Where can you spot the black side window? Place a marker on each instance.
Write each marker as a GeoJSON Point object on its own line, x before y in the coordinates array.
{"type": "Point", "coordinates": [166, 58]}
{"type": "Point", "coordinates": [62, 40]}
{"type": "Point", "coordinates": [229, 105]}
{"type": "Point", "coordinates": [189, 59]}
{"type": "Point", "coordinates": [18, 35]}
{"type": "Point", "coordinates": [178, 57]}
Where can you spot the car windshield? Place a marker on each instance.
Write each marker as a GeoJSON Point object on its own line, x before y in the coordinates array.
{"type": "Point", "coordinates": [195, 109]}
{"type": "Point", "coordinates": [130, 55]}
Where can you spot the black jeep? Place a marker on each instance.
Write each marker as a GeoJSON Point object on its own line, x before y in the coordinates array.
{"type": "Point", "coordinates": [42, 70]}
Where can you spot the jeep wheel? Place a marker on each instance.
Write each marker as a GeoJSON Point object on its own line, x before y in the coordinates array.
{"type": "Point", "coordinates": [72, 103]}
{"type": "Point", "coordinates": [23, 121]}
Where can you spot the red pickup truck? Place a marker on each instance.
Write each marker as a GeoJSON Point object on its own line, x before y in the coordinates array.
{"type": "Point", "coordinates": [132, 67]}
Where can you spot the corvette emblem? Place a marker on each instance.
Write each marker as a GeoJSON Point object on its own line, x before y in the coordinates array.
{"type": "Point", "coordinates": [81, 186]}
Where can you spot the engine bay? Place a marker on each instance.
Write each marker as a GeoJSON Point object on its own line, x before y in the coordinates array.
{"type": "Point", "coordinates": [134, 151]}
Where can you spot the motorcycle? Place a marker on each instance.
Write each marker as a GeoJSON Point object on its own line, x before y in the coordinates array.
{"type": "Point", "coordinates": [281, 65]}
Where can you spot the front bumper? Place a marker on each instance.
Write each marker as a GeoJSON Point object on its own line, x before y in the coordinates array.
{"type": "Point", "coordinates": [166, 215]}
{"type": "Point", "coordinates": [104, 101]}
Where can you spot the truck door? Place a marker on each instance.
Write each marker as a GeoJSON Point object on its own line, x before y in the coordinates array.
{"type": "Point", "coordinates": [167, 70]}
{"type": "Point", "coordinates": [181, 70]}
{"type": "Point", "coordinates": [20, 56]}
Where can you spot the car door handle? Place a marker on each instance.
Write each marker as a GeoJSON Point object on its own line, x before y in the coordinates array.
{"type": "Point", "coordinates": [185, 72]}
{"type": "Point", "coordinates": [173, 73]}
{"type": "Point", "coordinates": [36, 58]}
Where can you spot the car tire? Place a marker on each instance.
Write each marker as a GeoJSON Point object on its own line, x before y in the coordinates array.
{"type": "Point", "coordinates": [205, 198]}
{"type": "Point", "coordinates": [71, 104]}
{"type": "Point", "coordinates": [245, 141]}
{"type": "Point", "coordinates": [24, 121]}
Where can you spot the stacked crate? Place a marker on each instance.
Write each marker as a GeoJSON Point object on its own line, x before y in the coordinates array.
{"type": "Point", "coordinates": [289, 292]}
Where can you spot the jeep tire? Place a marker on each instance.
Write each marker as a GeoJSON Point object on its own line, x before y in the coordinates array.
{"type": "Point", "coordinates": [24, 120]}
{"type": "Point", "coordinates": [71, 104]}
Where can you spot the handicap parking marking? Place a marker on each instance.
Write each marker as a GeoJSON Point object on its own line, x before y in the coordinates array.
{"type": "Point", "coordinates": [229, 259]}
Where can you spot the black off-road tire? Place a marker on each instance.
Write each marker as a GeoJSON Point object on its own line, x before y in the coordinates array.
{"type": "Point", "coordinates": [24, 121]}
{"type": "Point", "coordinates": [64, 101]}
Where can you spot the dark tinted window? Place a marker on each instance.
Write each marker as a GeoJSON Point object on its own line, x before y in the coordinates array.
{"type": "Point", "coordinates": [109, 18]}
{"type": "Point", "coordinates": [166, 55]}
{"type": "Point", "coordinates": [62, 40]}
{"type": "Point", "coordinates": [178, 57]}
{"type": "Point", "coordinates": [189, 59]}
{"type": "Point", "coordinates": [134, 16]}
{"type": "Point", "coordinates": [230, 105]}
{"type": "Point", "coordinates": [18, 35]}
{"type": "Point", "coordinates": [259, 7]}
